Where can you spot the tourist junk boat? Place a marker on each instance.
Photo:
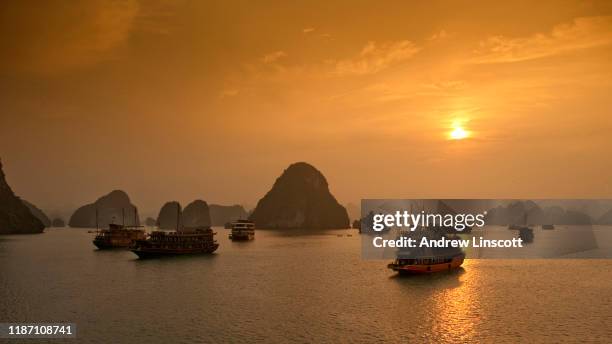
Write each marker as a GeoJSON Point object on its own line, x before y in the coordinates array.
{"type": "Point", "coordinates": [426, 265]}
{"type": "Point", "coordinates": [242, 230]}
{"type": "Point", "coordinates": [182, 241]}
{"type": "Point", "coordinates": [427, 260]}
{"type": "Point", "coordinates": [549, 225]}
{"type": "Point", "coordinates": [118, 236]}
{"type": "Point", "coordinates": [526, 232]}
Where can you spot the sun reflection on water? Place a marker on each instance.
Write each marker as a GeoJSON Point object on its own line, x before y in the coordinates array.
{"type": "Point", "coordinates": [456, 308]}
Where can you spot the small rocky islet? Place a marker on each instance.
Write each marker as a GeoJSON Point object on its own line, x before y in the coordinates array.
{"type": "Point", "coordinates": [168, 215]}
{"type": "Point", "coordinates": [196, 214]}
{"type": "Point", "coordinates": [58, 222]}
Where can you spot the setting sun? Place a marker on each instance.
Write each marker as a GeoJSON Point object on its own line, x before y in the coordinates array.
{"type": "Point", "coordinates": [459, 133]}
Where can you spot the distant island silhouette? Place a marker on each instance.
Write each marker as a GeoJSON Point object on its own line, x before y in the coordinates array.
{"type": "Point", "coordinates": [222, 214]}
{"type": "Point", "coordinates": [111, 208]}
{"type": "Point", "coordinates": [58, 222]}
{"type": "Point", "coordinates": [516, 212]}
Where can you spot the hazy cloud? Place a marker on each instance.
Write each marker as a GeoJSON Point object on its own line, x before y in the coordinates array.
{"type": "Point", "coordinates": [273, 57]}
{"type": "Point", "coordinates": [375, 57]}
{"type": "Point", "coordinates": [581, 33]}
{"type": "Point", "coordinates": [446, 85]}
{"type": "Point", "coordinates": [308, 30]}
{"type": "Point", "coordinates": [229, 93]}
{"type": "Point", "coordinates": [442, 34]}
{"type": "Point", "coordinates": [45, 38]}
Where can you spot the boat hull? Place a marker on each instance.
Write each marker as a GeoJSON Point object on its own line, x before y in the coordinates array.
{"type": "Point", "coordinates": [105, 245]}
{"type": "Point", "coordinates": [148, 253]}
{"type": "Point", "coordinates": [241, 237]}
{"type": "Point", "coordinates": [455, 263]}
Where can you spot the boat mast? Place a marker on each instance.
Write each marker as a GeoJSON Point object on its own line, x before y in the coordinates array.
{"type": "Point", "coordinates": [123, 216]}
{"type": "Point", "coordinates": [135, 216]}
{"type": "Point", "coordinates": [178, 214]}
{"type": "Point", "coordinates": [97, 227]}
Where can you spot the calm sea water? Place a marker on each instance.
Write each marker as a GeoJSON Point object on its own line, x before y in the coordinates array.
{"type": "Point", "coordinates": [290, 287]}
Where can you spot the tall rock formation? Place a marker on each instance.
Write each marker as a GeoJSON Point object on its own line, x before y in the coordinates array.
{"type": "Point", "coordinates": [222, 214]}
{"type": "Point", "coordinates": [112, 208]}
{"type": "Point", "coordinates": [38, 213]}
{"type": "Point", "coordinates": [15, 217]}
{"type": "Point", "coordinates": [168, 216]}
{"type": "Point", "coordinates": [196, 214]}
{"type": "Point", "coordinates": [300, 198]}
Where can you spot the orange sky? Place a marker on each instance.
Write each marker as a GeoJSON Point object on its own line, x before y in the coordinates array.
{"type": "Point", "coordinates": [182, 100]}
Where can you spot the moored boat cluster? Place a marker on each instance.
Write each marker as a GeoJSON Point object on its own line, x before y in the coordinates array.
{"type": "Point", "coordinates": [160, 243]}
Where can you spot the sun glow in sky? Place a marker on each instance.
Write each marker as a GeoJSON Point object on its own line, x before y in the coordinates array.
{"type": "Point", "coordinates": [459, 133]}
